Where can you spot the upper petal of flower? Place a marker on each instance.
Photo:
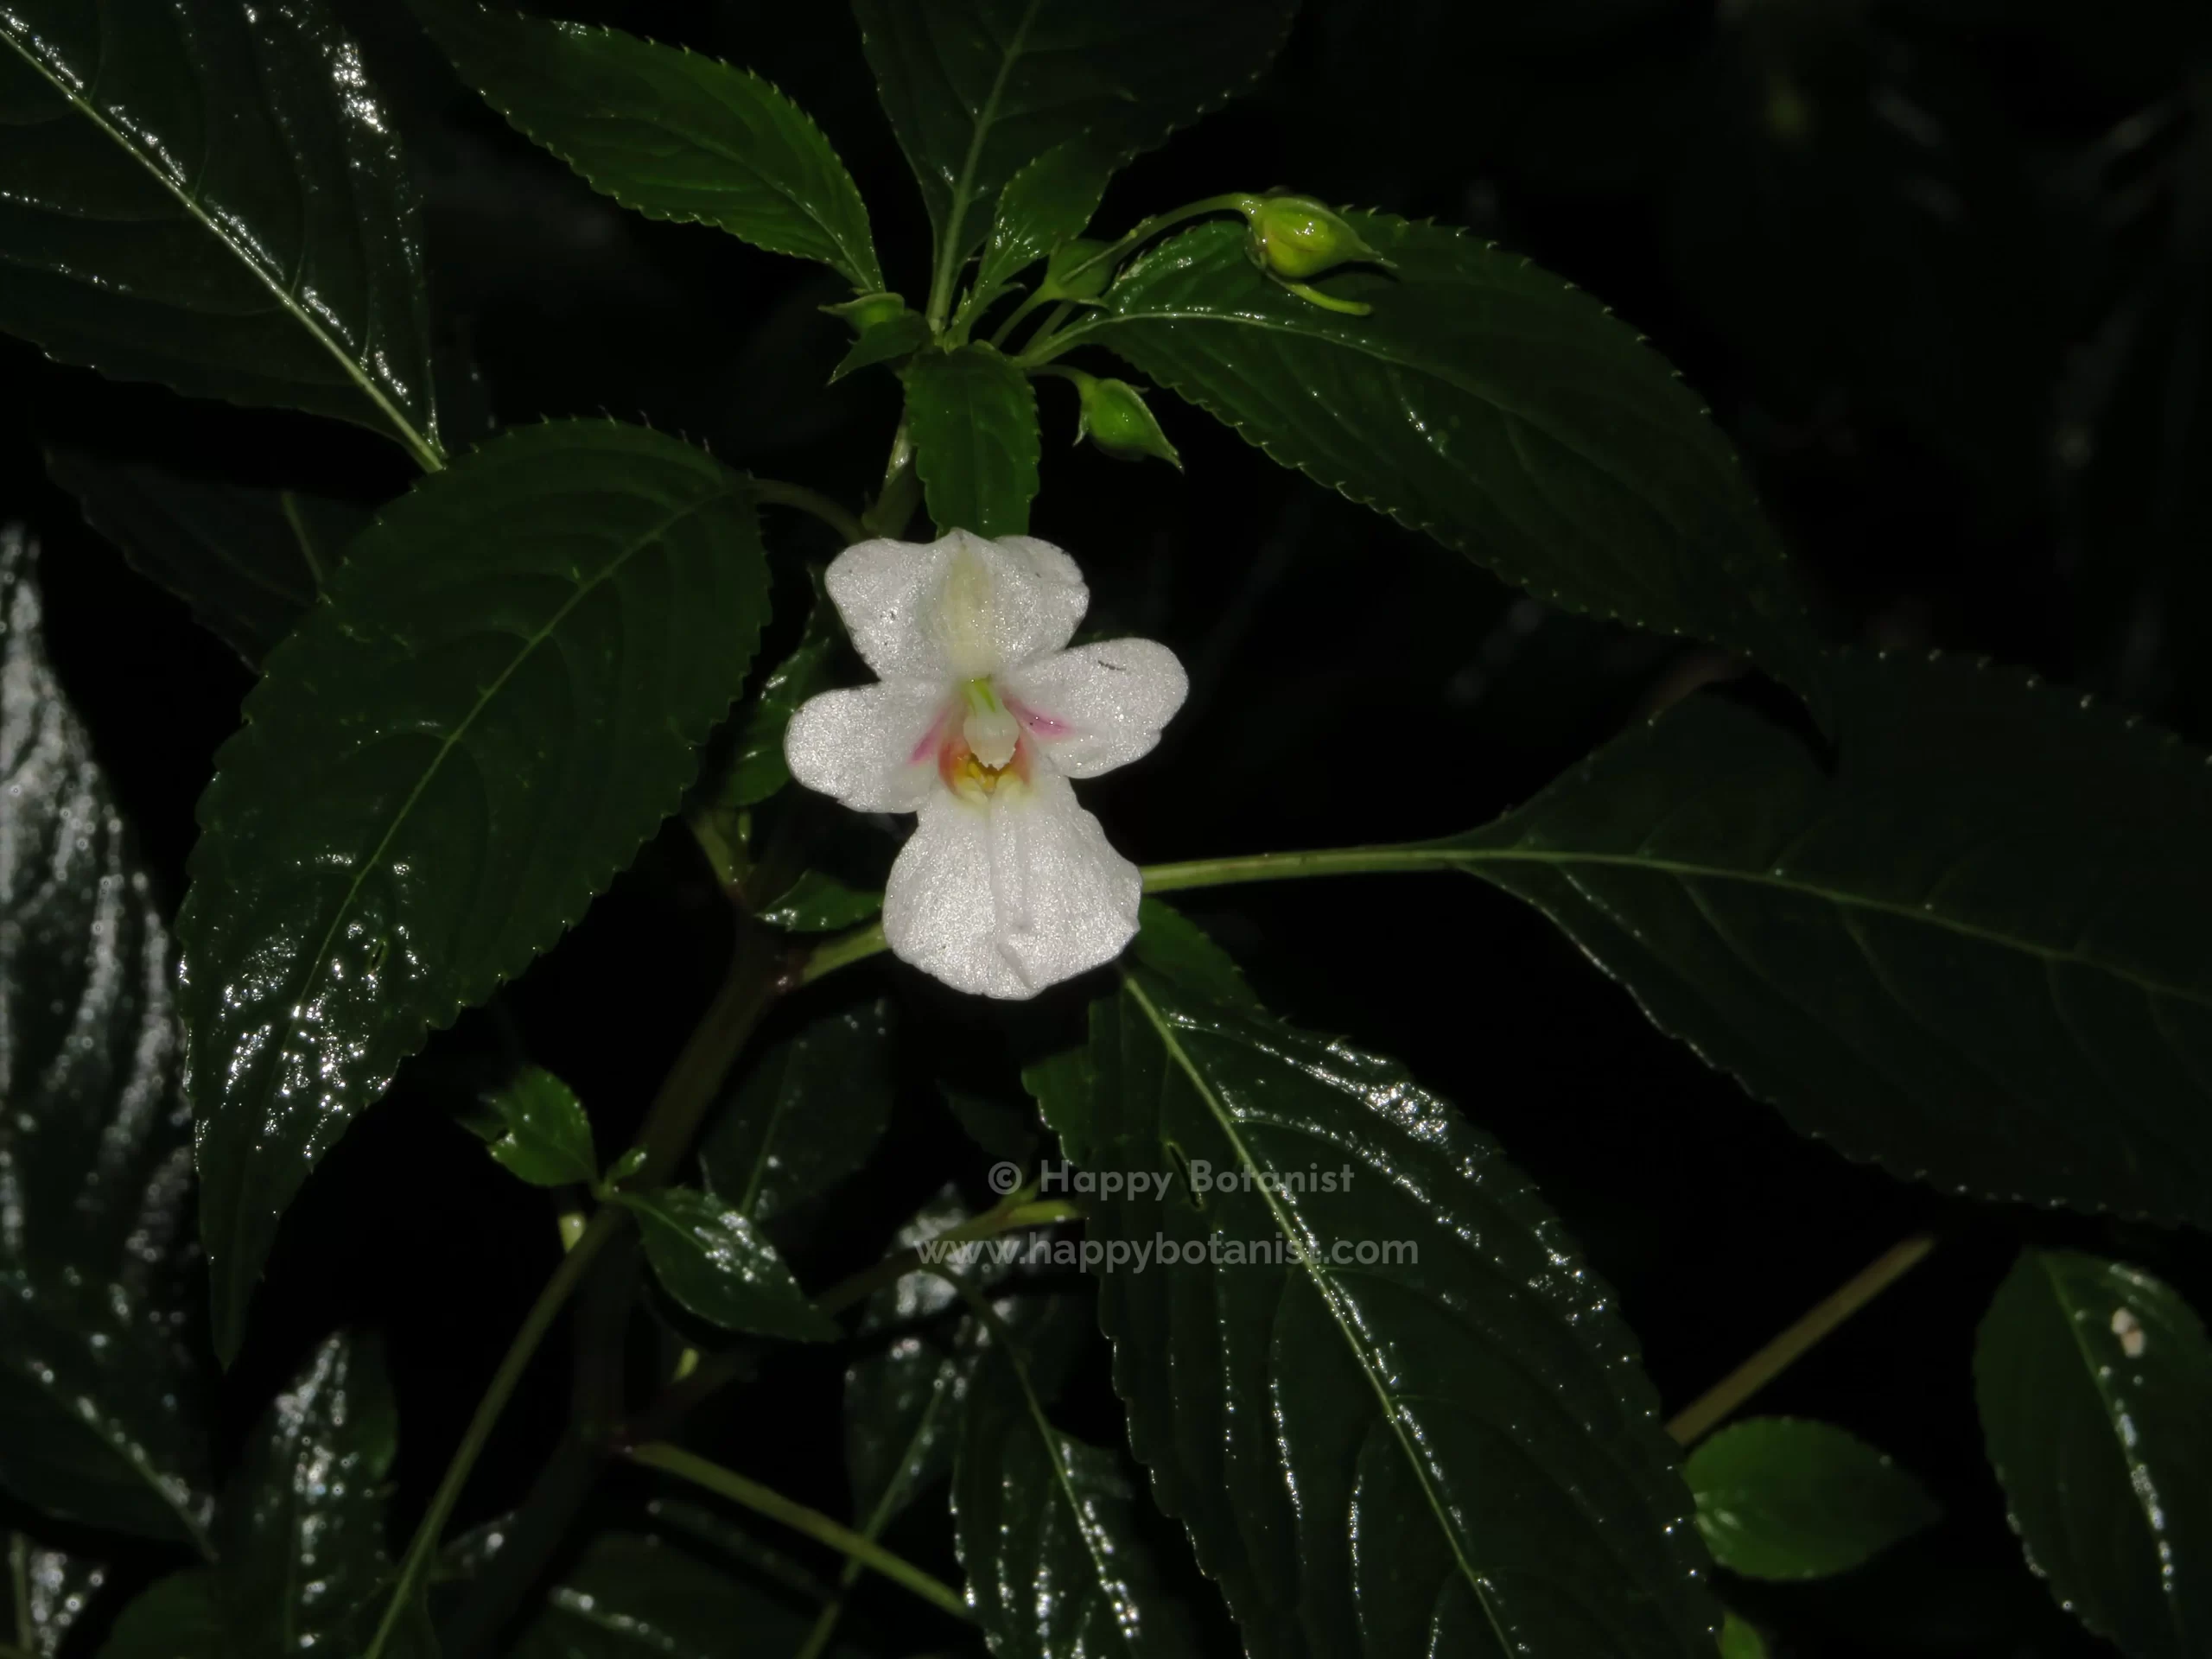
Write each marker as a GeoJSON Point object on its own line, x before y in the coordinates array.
{"type": "Point", "coordinates": [870, 747]}
{"type": "Point", "coordinates": [1100, 707]}
{"type": "Point", "coordinates": [957, 608]}
{"type": "Point", "coordinates": [1006, 898]}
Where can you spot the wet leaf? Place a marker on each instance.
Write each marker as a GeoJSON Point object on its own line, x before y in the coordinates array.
{"type": "Point", "coordinates": [820, 903]}
{"type": "Point", "coordinates": [2095, 1384]}
{"type": "Point", "coordinates": [45, 1595]}
{"type": "Point", "coordinates": [156, 226]}
{"type": "Point", "coordinates": [546, 1138]}
{"type": "Point", "coordinates": [808, 1113]}
{"type": "Point", "coordinates": [500, 699]}
{"type": "Point", "coordinates": [722, 1267]}
{"type": "Point", "coordinates": [100, 1393]}
{"type": "Point", "coordinates": [973, 415]}
{"type": "Point", "coordinates": [639, 1597]}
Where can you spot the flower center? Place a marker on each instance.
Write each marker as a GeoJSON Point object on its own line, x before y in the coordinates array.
{"type": "Point", "coordinates": [990, 729]}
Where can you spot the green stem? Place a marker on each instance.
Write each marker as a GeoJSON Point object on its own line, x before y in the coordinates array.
{"type": "Point", "coordinates": [566, 1277]}
{"type": "Point", "coordinates": [763, 1500]}
{"type": "Point", "coordinates": [1029, 304]}
{"type": "Point", "coordinates": [821, 506]}
{"type": "Point", "coordinates": [754, 978]}
{"type": "Point", "coordinates": [1711, 1408]}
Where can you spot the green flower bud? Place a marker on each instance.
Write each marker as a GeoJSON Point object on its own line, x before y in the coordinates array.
{"type": "Point", "coordinates": [1064, 281]}
{"type": "Point", "coordinates": [1296, 237]}
{"type": "Point", "coordinates": [1114, 416]}
{"type": "Point", "coordinates": [868, 311]}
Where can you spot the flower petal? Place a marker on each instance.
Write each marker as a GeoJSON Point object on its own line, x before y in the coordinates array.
{"type": "Point", "coordinates": [1100, 707]}
{"type": "Point", "coordinates": [1006, 898]}
{"type": "Point", "coordinates": [957, 608]}
{"type": "Point", "coordinates": [870, 747]}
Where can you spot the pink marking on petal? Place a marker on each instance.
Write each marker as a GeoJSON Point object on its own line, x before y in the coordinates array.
{"type": "Point", "coordinates": [930, 740]}
{"type": "Point", "coordinates": [1043, 725]}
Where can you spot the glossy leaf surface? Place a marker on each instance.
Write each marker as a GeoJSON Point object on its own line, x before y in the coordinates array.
{"type": "Point", "coordinates": [1972, 949]}
{"type": "Point", "coordinates": [154, 157]}
{"type": "Point", "coordinates": [666, 131]}
{"type": "Point", "coordinates": [547, 1138]}
{"type": "Point", "coordinates": [249, 563]}
{"type": "Point", "coordinates": [1455, 1453]}
{"type": "Point", "coordinates": [99, 1398]}
{"type": "Point", "coordinates": [808, 1113]}
{"type": "Point", "coordinates": [976, 88]}
{"type": "Point", "coordinates": [303, 1557]}
{"type": "Point", "coordinates": [1485, 402]}
{"type": "Point", "coordinates": [973, 416]}
{"type": "Point", "coordinates": [641, 1597]}
{"type": "Point", "coordinates": [2095, 1384]}
{"type": "Point", "coordinates": [817, 903]}
{"type": "Point", "coordinates": [1046, 1530]}
{"type": "Point", "coordinates": [498, 703]}
{"type": "Point", "coordinates": [722, 1267]}
{"type": "Point", "coordinates": [45, 1595]}
{"type": "Point", "coordinates": [1779, 1497]}
{"type": "Point", "coordinates": [1046, 205]}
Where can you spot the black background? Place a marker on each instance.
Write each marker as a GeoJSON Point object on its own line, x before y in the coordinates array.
{"type": "Point", "coordinates": [1940, 268]}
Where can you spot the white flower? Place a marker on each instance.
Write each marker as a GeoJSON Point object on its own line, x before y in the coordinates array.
{"type": "Point", "coordinates": [1006, 886]}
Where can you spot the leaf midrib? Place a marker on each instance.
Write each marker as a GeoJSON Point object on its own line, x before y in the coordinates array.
{"type": "Point", "coordinates": [426, 452]}
{"type": "Point", "coordinates": [723, 490]}
{"type": "Point", "coordinates": [1325, 1287]}
{"type": "Point", "coordinates": [949, 259]}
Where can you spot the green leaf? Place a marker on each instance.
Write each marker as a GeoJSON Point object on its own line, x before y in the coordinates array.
{"type": "Point", "coordinates": [757, 768]}
{"type": "Point", "coordinates": [303, 1558]}
{"type": "Point", "coordinates": [1970, 947]}
{"type": "Point", "coordinates": [1739, 1640]}
{"type": "Point", "coordinates": [548, 1138]}
{"type": "Point", "coordinates": [2095, 1384]}
{"type": "Point", "coordinates": [897, 336]}
{"type": "Point", "coordinates": [809, 1110]}
{"type": "Point", "coordinates": [1390, 1409]}
{"type": "Point", "coordinates": [1487, 402]}
{"type": "Point", "coordinates": [818, 903]}
{"type": "Point", "coordinates": [1046, 204]}
{"type": "Point", "coordinates": [180, 1617]}
{"type": "Point", "coordinates": [973, 417]}
{"type": "Point", "coordinates": [1047, 1534]}
{"type": "Point", "coordinates": [1179, 951]}
{"type": "Point", "coordinates": [249, 563]}
{"type": "Point", "coordinates": [722, 1267]}
{"type": "Point", "coordinates": [154, 155]}
{"type": "Point", "coordinates": [45, 1595]}
{"type": "Point", "coordinates": [498, 702]}
{"type": "Point", "coordinates": [663, 130]}
{"type": "Point", "coordinates": [636, 1598]}
{"type": "Point", "coordinates": [100, 1398]}
{"type": "Point", "coordinates": [976, 88]}
{"type": "Point", "coordinates": [1778, 1497]}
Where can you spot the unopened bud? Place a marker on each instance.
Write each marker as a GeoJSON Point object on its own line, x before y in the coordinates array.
{"type": "Point", "coordinates": [1296, 237]}
{"type": "Point", "coordinates": [1115, 417]}
{"type": "Point", "coordinates": [1075, 272]}
{"type": "Point", "coordinates": [868, 311]}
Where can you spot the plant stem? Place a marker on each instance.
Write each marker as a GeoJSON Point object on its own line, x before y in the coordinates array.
{"type": "Point", "coordinates": [1710, 1409]}
{"type": "Point", "coordinates": [763, 1500]}
{"type": "Point", "coordinates": [535, 1325]}
{"type": "Point", "coordinates": [754, 978]}
{"type": "Point", "coordinates": [821, 506]}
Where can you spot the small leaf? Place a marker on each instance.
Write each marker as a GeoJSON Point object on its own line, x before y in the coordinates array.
{"type": "Point", "coordinates": [1387, 1404]}
{"type": "Point", "coordinates": [1781, 1498]}
{"type": "Point", "coordinates": [1046, 1528]}
{"type": "Point", "coordinates": [976, 88]}
{"type": "Point", "coordinates": [249, 563]}
{"type": "Point", "coordinates": [499, 700]}
{"type": "Point", "coordinates": [44, 1594]}
{"type": "Point", "coordinates": [2095, 1384]}
{"type": "Point", "coordinates": [638, 1598]}
{"type": "Point", "coordinates": [548, 1138]}
{"type": "Point", "coordinates": [303, 1558]}
{"type": "Point", "coordinates": [757, 768]}
{"type": "Point", "coordinates": [100, 1397]}
{"type": "Point", "coordinates": [808, 1113]}
{"type": "Point", "coordinates": [152, 156]}
{"type": "Point", "coordinates": [664, 131]}
{"type": "Point", "coordinates": [1487, 402]}
{"type": "Point", "coordinates": [722, 1267]}
{"type": "Point", "coordinates": [1739, 1640]}
{"type": "Point", "coordinates": [973, 415]}
{"type": "Point", "coordinates": [1046, 204]}
{"type": "Point", "coordinates": [180, 1617]}
{"type": "Point", "coordinates": [1969, 948]}
{"type": "Point", "coordinates": [1171, 945]}
{"type": "Point", "coordinates": [818, 902]}
{"type": "Point", "coordinates": [897, 336]}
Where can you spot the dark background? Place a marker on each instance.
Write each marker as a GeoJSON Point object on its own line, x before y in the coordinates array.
{"type": "Point", "coordinates": [1939, 266]}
